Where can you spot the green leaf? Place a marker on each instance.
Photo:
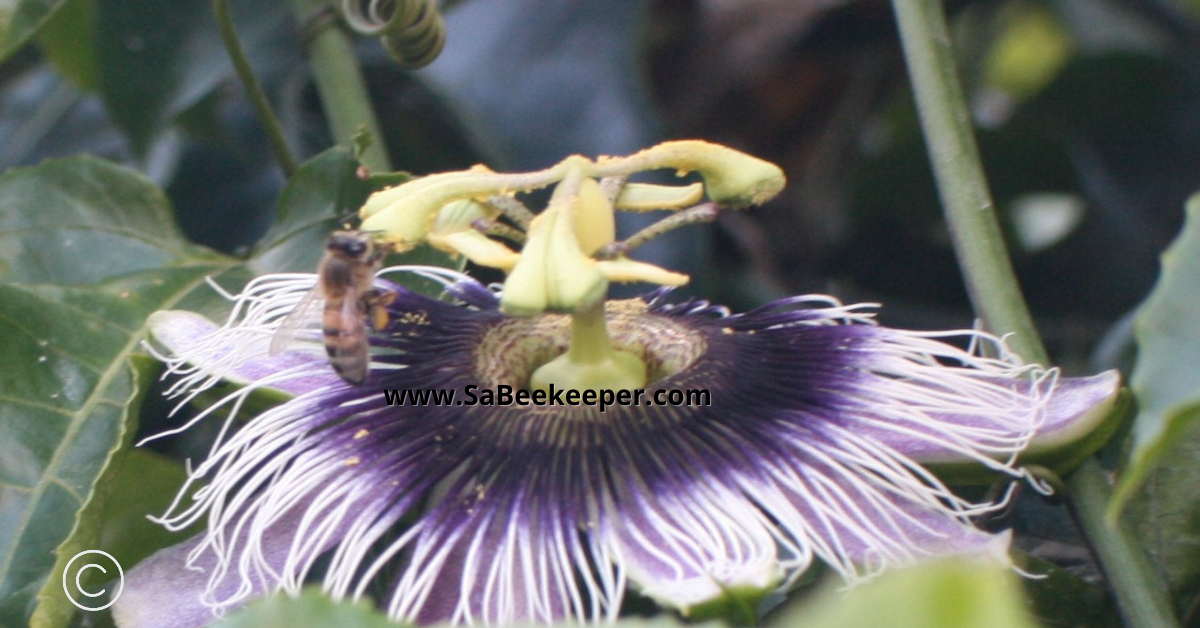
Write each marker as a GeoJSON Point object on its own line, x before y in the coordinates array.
{"type": "Point", "coordinates": [159, 58]}
{"type": "Point", "coordinates": [1061, 599]}
{"type": "Point", "coordinates": [950, 593]}
{"type": "Point", "coordinates": [739, 606]}
{"type": "Point", "coordinates": [323, 192]}
{"type": "Point", "coordinates": [1031, 49]}
{"type": "Point", "coordinates": [311, 609]}
{"type": "Point", "coordinates": [138, 483]}
{"type": "Point", "coordinates": [18, 25]}
{"type": "Point", "coordinates": [68, 41]}
{"type": "Point", "coordinates": [54, 609]}
{"type": "Point", "coordinates": [64, 404]}
{"type": "Point", "coordinates": [68, 395]}
{"type": "Point", "coordinates": [144, 483]}
{"type": "Point", "coordinates": [1166, 380]}
{"type": "Point", "coordinates": [83, 220]}
{"type": "Point", "coordinates": [1165, 516]}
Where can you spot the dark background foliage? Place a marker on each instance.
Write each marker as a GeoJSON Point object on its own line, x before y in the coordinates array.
{"type": "Point", "coordinates": [1104, 131]}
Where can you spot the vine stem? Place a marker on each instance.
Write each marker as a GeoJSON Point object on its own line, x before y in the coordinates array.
{"type": "Point", "coordinates": [1139, 590]}
{"type": "Point", "coordinates": [341, 85]}
{"type": "Point", "coordinates": [254, 89]}
{"type": "Point", "coordinates": [995, 293]}
{"type": "Point", "coordinates": [963, 187]}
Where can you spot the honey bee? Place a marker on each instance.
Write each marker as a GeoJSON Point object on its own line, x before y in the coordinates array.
{"type": "Point", "coordinates": [345, 281]}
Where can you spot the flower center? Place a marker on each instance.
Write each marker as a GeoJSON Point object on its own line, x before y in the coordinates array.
{"type": "Point", "coordinates": [514, 350]}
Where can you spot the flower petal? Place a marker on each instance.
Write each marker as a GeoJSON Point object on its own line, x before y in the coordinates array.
{"type": "Point", "coordinates": [811, 448]}
{"type": "Point", "coordinates": [162, 592]}
{"type": "Point", "coordinates": [196, 341]}
{"type": "Point", "coordinates": [176, 586]}
{"type": "Point", "coordinates": [1077, 407]}
{"type": "Point", "coordinates": [690, 547]}
{"type": "Point", "coordinates": [860, 521]}
{"type": "Point", "coordinates": [494, 559]}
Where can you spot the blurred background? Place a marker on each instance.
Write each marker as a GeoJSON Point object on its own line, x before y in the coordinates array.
{"type": "Point", "coordinates": [1087, 113]}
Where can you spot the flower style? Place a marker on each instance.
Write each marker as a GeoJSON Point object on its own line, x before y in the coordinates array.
{"type": "Point", "coordinates": [817, 444]}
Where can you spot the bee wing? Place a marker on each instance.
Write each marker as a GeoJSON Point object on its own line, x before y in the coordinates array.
{"type": "Point", "coordinates": [352, 358]}
{"type": "Point", "coordinates": [307, 309]}
{"type": "Point", "coordinates": [353, 316]}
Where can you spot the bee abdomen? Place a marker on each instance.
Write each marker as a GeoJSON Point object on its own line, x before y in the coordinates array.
{"type": "Point", "coordinates": [349, 362]}
{"type": "Point", "coordinates": [348, 351]}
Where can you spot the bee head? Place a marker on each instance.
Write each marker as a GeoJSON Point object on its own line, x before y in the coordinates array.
{"type": "Point", "coordinates": [350, 244]}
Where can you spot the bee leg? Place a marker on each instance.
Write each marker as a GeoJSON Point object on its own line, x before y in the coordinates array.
{"type": "Point", "coordinates": [379, 317]}
{"type": "Point", "coordinates": [376, 302]}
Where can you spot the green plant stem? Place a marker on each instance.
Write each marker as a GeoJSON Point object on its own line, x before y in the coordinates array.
{"type": "Point", "coordinates": [341, 86]}
{"type": "Point", "coordinates": [1142, 598]}
{"type": "Point", "coordinates": [968, 204]}
{"type": "Point", "coordinates": [995, 293]}
{"type": "Point", "coordinates": [254, 89]}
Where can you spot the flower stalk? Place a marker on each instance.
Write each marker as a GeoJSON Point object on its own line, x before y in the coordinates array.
{"type": "Point", "coordinates": [993, 286]}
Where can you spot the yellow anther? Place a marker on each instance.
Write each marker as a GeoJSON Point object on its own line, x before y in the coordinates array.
{"type": "Point", "coordinates": [595, 223]}
{"type": "Point", "coordinates": [554, 273]}
{"type": "Point", "coordinates": [645, 197]}
{"type": "Point", "coordinates": [625, 270]}
{"type": "Point", "coordinates": [732, 178]}
{"type": "Point", "coordinates": [476, 247]}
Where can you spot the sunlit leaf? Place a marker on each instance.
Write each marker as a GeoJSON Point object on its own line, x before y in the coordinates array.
{"type": "Point", "coordinates": [312, 609]}
{"type": "Point", "coordinates": [1165, 380]}
{"type": "Point", "coordinates": [950, 593]}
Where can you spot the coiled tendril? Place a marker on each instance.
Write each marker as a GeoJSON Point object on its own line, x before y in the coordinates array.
{"type": "Point", "coordinates": [412, 31]}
